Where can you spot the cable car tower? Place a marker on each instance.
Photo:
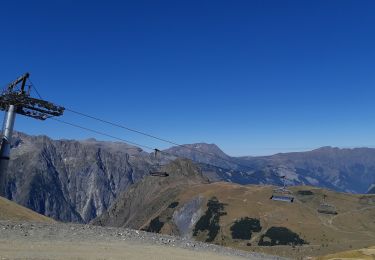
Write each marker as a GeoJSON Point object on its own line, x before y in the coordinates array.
{"type": "Point", "coordinates": [15, 99]}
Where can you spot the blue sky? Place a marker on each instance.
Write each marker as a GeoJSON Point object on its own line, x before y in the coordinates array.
{"type": "Point", "coordinates": [254, 77]}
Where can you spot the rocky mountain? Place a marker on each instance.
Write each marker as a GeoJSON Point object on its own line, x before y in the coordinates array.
{"type": "Point", "coordinates": [71, 180]}
{"type": "Point", "coordinates": [205, 154]}
{"type": "Point", "coordinates": [348, 170]}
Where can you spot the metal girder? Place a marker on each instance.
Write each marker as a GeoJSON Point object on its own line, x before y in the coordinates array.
{"type": "Point", "coordinates": [26, 105]}
{"type": "Point", "coordinates": [22, 79]}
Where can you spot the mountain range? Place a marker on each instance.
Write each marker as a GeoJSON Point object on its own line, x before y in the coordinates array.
{"type": "Point", "coordinates": [346, 170]}
{"type": "Point", "coordinates": [78, 181]}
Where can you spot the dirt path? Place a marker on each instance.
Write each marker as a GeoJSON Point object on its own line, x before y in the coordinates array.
{"type": "Point", "coordinates": [58, 241]}
{"type": "Point", "coordinates": [103, 250]}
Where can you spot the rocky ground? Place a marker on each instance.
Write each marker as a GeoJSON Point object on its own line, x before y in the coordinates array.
{"type": "Point", "coordinates": [28, 240]}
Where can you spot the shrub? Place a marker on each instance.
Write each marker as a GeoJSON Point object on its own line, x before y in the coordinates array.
{"type": "Point", "coordinates": [173, 205]}
{"type": "Point", "coordinates": [155, 225]}
{"type": "Point", "coordinates": [210, 220]}
{"type": "Point", "coordinates": [305, 192]}
{"type": "Point", "coordinates": [280, 236]}
{"type": "Point", "coordinates": [243, 228]}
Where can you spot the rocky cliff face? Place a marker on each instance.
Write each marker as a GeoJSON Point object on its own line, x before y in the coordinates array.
{"type": "Point", "coordinates": [71, 180]}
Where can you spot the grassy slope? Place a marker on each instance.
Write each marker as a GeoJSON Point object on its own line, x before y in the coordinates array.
{"type": "Point", "coordinates": [365, 254]}
{"type": "Point", "coordinates": [14, 212]}
{"type": "Point", "coordinates": [353, 227]}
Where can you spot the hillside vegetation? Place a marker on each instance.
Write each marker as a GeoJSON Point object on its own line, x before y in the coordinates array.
{"type": "Point", "coordinates": [290, 229]}
{"type": "Point", "coordinates": [244, 217]}
{"type": "Point", "coordinates": [359, 254]}
{"type": "Point", "coordinates": [14, 212]}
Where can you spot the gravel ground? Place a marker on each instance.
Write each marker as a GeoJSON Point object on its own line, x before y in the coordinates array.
{"type": "Point", "coordinates": [27, 240]}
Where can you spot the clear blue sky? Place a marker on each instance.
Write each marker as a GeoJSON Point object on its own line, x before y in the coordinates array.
{"type": "Point", "coordinates": [254, 77]}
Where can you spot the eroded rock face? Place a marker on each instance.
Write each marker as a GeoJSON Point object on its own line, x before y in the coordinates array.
{"type": "Point", "coordinates": [71, 180]}
{"type": "Point", "coordinates": [187, 216]}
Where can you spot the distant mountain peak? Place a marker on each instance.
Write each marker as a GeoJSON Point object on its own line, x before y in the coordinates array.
{"type": "Point", "coordinates": [199, 148]}
{"type": "Point", "coordinates": [90, 140]}
{"type": "Point", "coordinates": [202, 153]}
{"type": "Point", "coordinates": [213, 148]}
{"type": "Point", "coordinates": [326, 149]}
